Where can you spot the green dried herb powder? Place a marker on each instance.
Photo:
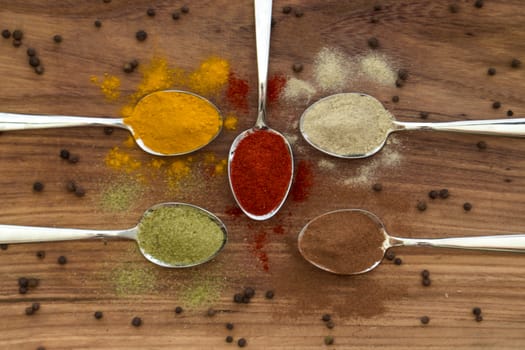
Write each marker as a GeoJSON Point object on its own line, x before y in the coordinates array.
{"type": "Point", "coordinates": [179, 235]}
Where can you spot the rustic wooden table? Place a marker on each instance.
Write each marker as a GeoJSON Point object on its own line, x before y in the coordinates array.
{"type": "Point", "coordinates": [447, 55]}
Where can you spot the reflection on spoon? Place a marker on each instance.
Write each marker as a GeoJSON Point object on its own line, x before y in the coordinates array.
{"type": "Point", "coordinates": [354, 241]}
{"type": "Point", "coordinates": [169, 235]}
{"type": "Point", "coordinates": [356, 125]}
{"type": "Point", "coordinates": [176, 139]}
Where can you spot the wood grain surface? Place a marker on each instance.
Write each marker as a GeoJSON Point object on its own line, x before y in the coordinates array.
{"type": "Point", "coordinates": [447, 55]}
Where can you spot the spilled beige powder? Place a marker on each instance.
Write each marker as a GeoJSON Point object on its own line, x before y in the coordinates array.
{"type": "Point", "coordinates": [298, 91]}
{"type": "Point", "coordinates": [331, 69]}
{"type": "Point", "coordinates": [377, 68]}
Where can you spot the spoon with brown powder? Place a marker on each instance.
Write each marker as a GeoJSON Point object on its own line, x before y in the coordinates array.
{"type": "Point", "coordinates": [169, 235]}
{"type": "Point", "coordinates": [356, 125]}
{"type": "Point", "coordinates": [354, 241]}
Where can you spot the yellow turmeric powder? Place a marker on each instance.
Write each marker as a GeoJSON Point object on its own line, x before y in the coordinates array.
{"type": "Point", "coordinates": [210, 77]}
{"type": "Point", "coordinates": [171, 122]}
{"type": "Point", "coordinates": [109, 86]}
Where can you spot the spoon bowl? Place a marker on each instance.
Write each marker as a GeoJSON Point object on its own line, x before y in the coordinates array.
{"type": "Point", "coordinates": [355, 125]}
{"type": "Point", "coordinates": [14, 121]}
{"type": "Point", "coordinates": [354, 241]}
{"type": "Point", "coordinates": [10, 234]}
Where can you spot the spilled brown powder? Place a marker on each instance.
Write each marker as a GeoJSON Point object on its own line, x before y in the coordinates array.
{"type": "Point", "coordinates": [343, 241]}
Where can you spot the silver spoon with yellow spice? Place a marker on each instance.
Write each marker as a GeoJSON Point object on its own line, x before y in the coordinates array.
{"type": "Point", "coordinates": [356, 125]}
{"type": "Point", "coordinates": [168, 234]}
{"type": "Point", "coordinates": [163, 123]}
{"type": "Point", "coordinates": [354, 241]}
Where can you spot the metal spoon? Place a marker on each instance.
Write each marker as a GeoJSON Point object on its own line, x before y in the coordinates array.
{"type": "Point", "coordinates": [13, 121]}
{"type": "Point", "coordinates": [263, 19]}
{"type": "Point", "coordinates": [501, 127]}
{"type": "Point", "coordinates": [29, 234]}
{"type": "Point", "coordinates": [507, 243]}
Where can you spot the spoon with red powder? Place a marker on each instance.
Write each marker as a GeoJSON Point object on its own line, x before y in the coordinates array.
{"type": "Point", "coordinates": [260, 163]}
{"type": "Point", "coordinates": [354, 241]}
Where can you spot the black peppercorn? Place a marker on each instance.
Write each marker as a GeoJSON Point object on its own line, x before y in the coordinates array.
{"type": "Point", "coordinates": [238, 298]}
{"type": "Point", "coordinates": [38, 186]}
{"type": "Point", "coordinates": [421, 206]}
{"type": "Point", "coordinates": [424, 319]}
{"type": "Point", "coordinates": [298, 13]}
{"type": "Point", "coordinates": [399, 83]}
{"type": "Point", "coordinates": [178, 310]}
{"type": "Point", "coordinates": [22, 290]}
{"type": "Point", "coordinates": [426, 282]}
{"type": "Point", "coordinates": [127, 68]}
{"type": "Point", "coordinates": [491, 71]}
{"type": "Point", "coordinates": [496, 105]}
{"type": "Point", "coordinates": [297, 67]}
{"type": "Point", "coordinates": [6, 33]}
{"type": "Point", "coordinates": [377, 187]}
{"type": "Point", "coordinates": [287, 9]}
{"type": "Point", "coordinates": [136, 321]}
{"type": "Point", "coordinates": [134, 63]}
{"type": "Point", "coordinates": [185, 9]}
{"type": "Point", "coordinates": [510, 113]}
{"type": "Point", "coordinates": [41, 254]}
{"type": "Point", "coordinates": [373, 43]}
{"type": "Point", "coordinates": [241, 342]}
{"type": "Point", "coordinates": [481, 145]}
{"type": "Point", "coordinates": [29, 311]}
{"type": "Point", "coordinates": [4, 246]}
{"type": "Point", "coordinates": [57, 38]}
{"type": "Point", "coordinates": [515, 63]}
{"type": "Point", "coordinates": [374, 20]}
{"type": "Point", "coordinates": [390, 255]}
{"type": "Point", "coordinates": [269, 294]}
{"type": "Point", "coordinates": [175, 15]}
{"type": "Point", "coordinates": [453, 8]}
{"type": "Point", "coordinates": [478, 4]}
{"type": "Point", "coordinates": [328, 340]}
{"type": "Point", "coordinates": [23, 282]}
{"type": "Point", "coordinates": [39, 70]}
{"type": "Point", "coordinates": [31, 51]}
{"type": "Point", "coordinates": [398, 261]}
{"type": "Point", "coordinates": [18, 34]}
{"type": "Point", "coordinates": [141, 35]}
{"type": "Point", "coordinates": [378, 7]}
{"type": "Point", "coordinates": [229, 325]}
{"type": "Point", "coordinates": [62, 260]}
{"type": "Point", "coordinates": [395, 99]}
{"type": "Point", "coordinates": [73, 158]}
{"type": "Point", "coordinates": [444, 193]}
{"type": "Point", "coordinates": [467, 206]}
{"type": "Point", "coordinates": [433, 194]}
{"type": "Point", "coordinates": [245, 299]}
{"type": "Point", "coordinates": [326, 317]}
{"type": "Point", "coordinates": [425, 274]}
{"type": "Point", "coordinates": [423, 115]}
{"type": "Point", "coordinates": [98, 315]}
{"type": "Point", "coordinates": [249, 292]}
{"type": "Point", "coordinates": [97, 23]}
{"type": "Point", "coordinates": [476, 311]}
{"type": "Point", "coordinates": [229, 339]}
{"type": "Point", "coordinates": [479, 318]}
{"type": "Point", "coordinates": [330, 324]}
{"type": "Point", "coordinates": [151, 12]}
{"type": "Point", "coordinates": [35, 306]}
{"type": "Point", "coordinates": [211, 312]}
{"type": "Point", "coordinates": [79, 191]}
{"type": "Point", "coordinates": [34, 61]}
{"type": "Point", "coordinates": [108, 130]}
{"type": "Point", "coordinates": [402, 74]}
{"type": "Point", "coordinates": [71, 186]}
{"type": "Point", "coordinates": [64, 154]}
{"type": "Point", "coordinates": [17, 43]}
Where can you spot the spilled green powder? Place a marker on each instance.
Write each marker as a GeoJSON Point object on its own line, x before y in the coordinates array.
{"type": "Point", "coordinates": [179, 235]}
{"type": "Point", "coordinates": [203, 291]}
{"type": "Point", "coordinates": [121, 195]}
{"type": "Point", "coordinates": [131, 279]}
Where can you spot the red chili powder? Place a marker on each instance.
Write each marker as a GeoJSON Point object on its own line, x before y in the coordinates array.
{"type": "Point", "coordinates": [275, 87]}
{"type": "Point", "coordinates": [259, 241]}
{"type": "Point", "coordinates": [304, 180]}
{"type": "Point", "coordinates": [237, 92]}
{"type": "Point", "coordinates": [234, 211]}
{"type": "Point", "coordinates": [279, 229]}
{"type": "Point", "coordinates": [260, 172]}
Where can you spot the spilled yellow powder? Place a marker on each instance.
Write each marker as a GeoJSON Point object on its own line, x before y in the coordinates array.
{"type": "Point", "coordinates": [220, 167]}
{"type": "Point", "coordinates": [178, 170]}
{"type": "Point", "coordinates": [119, 160]}
{"type": "Point", "coordinates": [156, 163]}
{"type": "Point", "coordinates": [230, 122]}
{"type": "Point", "coordinates": [209, 157]}
{"type": "Point", "coordinates": [210, 77]}
{"type": "Point", "coordinates": [109, 85]}
{"type": "Point", "coordinates": [129, 142]}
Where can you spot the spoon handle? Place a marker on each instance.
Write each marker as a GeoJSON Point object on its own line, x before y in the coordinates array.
{"type": "Point", "coordinates": [28, 234]}
{"type": "Point", "coordinates": [502, 127]}
{"type": "Point", "coordinates": [263, 25]}
{"type": "Point", "coordinates": [14, 121]}
{"type": "Point", "coordinates": [508, 243]}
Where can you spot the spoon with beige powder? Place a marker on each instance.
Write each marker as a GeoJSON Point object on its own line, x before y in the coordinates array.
{"type": "Point", "coordinates": [356, 125]}
{"type": "Point", "coordinates": [354, 241]}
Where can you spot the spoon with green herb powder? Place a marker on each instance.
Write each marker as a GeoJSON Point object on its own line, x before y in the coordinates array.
{"type": "Point", "coordinates": [169, 235]}
{"type": "Point", "coordinates": [356, 125]}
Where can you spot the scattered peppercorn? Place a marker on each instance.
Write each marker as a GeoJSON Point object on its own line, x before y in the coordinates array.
{"type": "Point", "coordinates": [73, 158]}
{"type": "Point", "coordinates": [491, 71]}
{"type": "Point", "coordinates": [390, 255]}
{"type": "Point", "coordinates": [510, 113]}
{"type": "Point", "coordinates": [298, 13]}
{"type": "Point", "coordinates": [134, 64]}
{"type": "Point", "coordinates": [64, 154]}
{"type": "Point", "coordinates": [71, 186]}
{"type": "Point", "coordinates": [476, 311]}
{"type": "Point", "coordinates": [141, 35]}
{"type": "Point", "coordinates": [4, 246]}
{"type": "Point", "coordinates": [297, 67]}
{"type": "Point", "coordinates": [421, 206]}
{"type": "Point", "coordinates": [398, 261]}
{"type": "Point", "coordinates": [287, 9]}
{"type": "Point", "coordinates": [6, 33]}
{"type": "Point", "coordinates": [31, 51]}
{"type": "Point", "coordinates": [245, 299]}
{"type": "Point", "coordinates": [423, 115]}
{"type": "Point", "coordinates": [374, 20]}
{"type": "Point", "coordinates": [425, 274]}
{"type": "Point", "coordinates": [211, 312]}
{"type": "Point", "coordinates": [34, 61]}
{"type": "Point", "coordinates": [22, 290]}
{"type": "Point", "coordinates": [496, 105]}
{"type": "Point", "coordinates": [481, 145]}
{"type": "Point", "coordinates": [241, 342]}
{"type": "Point", "coordinates": [18, 34]}
{"type": "Point", "coordinates": [399, 83]}
{"type": "Point", "coordinates": [38, 186]}
{"type": "Point", "coordinates": [238, 298]}
{"type": "Point", "coordinates": [478, 4]}
{"type": "Point", "coordinates": [269, 294]}
{"type": "Point", "coordinates": [98, 315]}
{"type": "Point", "coordinates": [426, 282]}
{"type": "Point", "coordinates": [373, 43]}
{"type": "Point", "coordinates": [127, 68]}
{"type": "Point", "coordinates": [425, 319]}
{"type": "Point", "coordinates": [453, 8]}
{"type": "Point", "coordinates": [249, 292]}
{"type": "Point", "coordinates": [17, 43]}
{"type": "Point", "coordinates": [377, 187]}
{"type": "Point", "coordinates": [185, 9]}
{"type": "Point", "coordinates": [136, 321]}
{"type": "Point", "coordinates": [178, 310]}
{"type": "Point", "coordinates": [330, 324]}
{"type": "Point", "coordinates": [175, 15]}
{"type": "Point", "coordinates": [39, 70]}
{"type": "Point", "coordinates": [151, 12]}
{"type": "Point", "coordinates": [108, 130]}
{"type": "Point", "coordinates": [229, 325]}
{"type": "Point", "coordinates": [98, 23]}
{"type": "Point", "coordinates": [467, 206]}
{"type": "Point", "coordinates": [443, 193]}
{"type": "Point", "coordinates": [378, 7]}
{"type": "Point", "coordinates": [57, 38]}
{"type": "Point", "coordinates": [326, 317]}
{"type": "Point", "coordinates": [62, 260]}
{"type": "Point", "coordinates": [41, 254]}
{"type": "Point", "coordinates": [515, 63]}
{"type": "Point", "coordinates": [395, 99]}
{"type": "Point", "coordinates": [29, 311]}
{"type": "Point", "coordinates": [479, 318]}
{"type": "Point", "coordinates": [229, 339]}
{"type": "Point", "coordinates": [23, 282]}
{"type": "Point", "coordinates": [402, 74]}
{"type": "Point", "coordinates": [433, 194]}
{"type": "Point", "coordinates": [328, 340]}
{"type": "Point", "coordinates": [35, 306]}
{"type": "Point", "coordinates": [79, 191]}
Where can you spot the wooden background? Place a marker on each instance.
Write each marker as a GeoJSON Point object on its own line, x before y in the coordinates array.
{"type": "Point", "coordinates": [447, 56]}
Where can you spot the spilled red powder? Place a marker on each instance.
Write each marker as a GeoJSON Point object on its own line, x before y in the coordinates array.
{"type": "Point", "coordinates": [237, 92]}
{"type": "Point", "coordinates": [303, 181]}
{"type": "Point", "coordinates": [279, 229]}
{"type": "Point", "coordinates": [234, 211]}
{"type": "Point", "coordinates": [259, 242]}
{"type": "Point", "coordinates": [275, 87]}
